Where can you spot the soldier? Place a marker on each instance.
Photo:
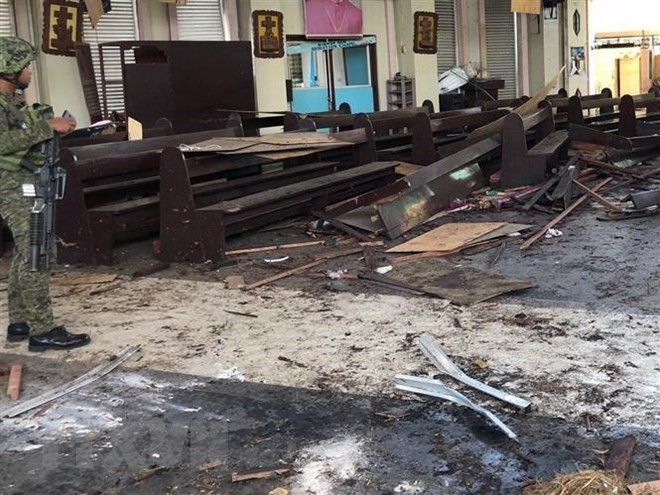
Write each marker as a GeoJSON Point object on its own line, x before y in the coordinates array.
{"type": "Point", "coordinates": [22, 130]}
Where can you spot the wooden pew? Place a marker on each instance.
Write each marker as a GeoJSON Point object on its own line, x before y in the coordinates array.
{"type": "Point", "coordinates": [342, 121]}
{"type": "Point", "coordinates": [196, 219]}
{"type": "Point", "coordinates": [429, 135]}
{"type": "Point", "coordinates": [522, 166]}
{"type": "Point", "coordinates": [112, 194]}
{"type": "Point", "coordinates": [624, 120]}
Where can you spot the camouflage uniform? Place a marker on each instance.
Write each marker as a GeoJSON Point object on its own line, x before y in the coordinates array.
{"type": "Point", "coordinates": [22, 129]}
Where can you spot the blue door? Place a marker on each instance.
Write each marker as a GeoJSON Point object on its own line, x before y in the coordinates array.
{"type": "Point", "coordinates": [327, 74]}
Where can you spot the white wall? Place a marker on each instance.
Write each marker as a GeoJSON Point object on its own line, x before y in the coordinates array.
{"type": "Point", "coordinates": [628, 15]}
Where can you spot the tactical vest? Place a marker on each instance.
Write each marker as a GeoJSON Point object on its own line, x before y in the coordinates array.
{"type": "Point", "coordinates": [23, 117]}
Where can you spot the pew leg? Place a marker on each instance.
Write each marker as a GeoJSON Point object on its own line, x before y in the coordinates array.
{"type": "Point", "coordinates": [212, 227]}
{"type": "Point", "coordinates": [102, 238]}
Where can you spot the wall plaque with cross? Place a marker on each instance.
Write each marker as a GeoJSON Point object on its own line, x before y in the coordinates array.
{"type": "Point", "coordinates": [62, 27]}
{"type": "Point", "coordinates": [426, 33]}
{"type": "Point", "coordinates": [268, 34]}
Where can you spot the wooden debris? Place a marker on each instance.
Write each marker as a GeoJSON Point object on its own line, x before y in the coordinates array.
{"type": "Point", "coordinates": [649, 488]}
{"type": "Point", "coordinates": [92, 279]}
{"type": "Point", "coordinates": [249, 315]}
{"type": "Point", "coordinates": [621, 455]}
{"type": "Point", "coordinates": [260, 474]}
{"type": "Point", "coordinates": [341, 226]}
{"type": "Point", "coordinates": [539, 194]}
{"type": "Point", "coordinates": [293, 271]}
{"type": "Point", "coordinates": [209, 465]}
{"type": "Point", "coordinates": [104, 288]}
{"type": "Point", "coordinates": [149, 473]}
{"type": "Point", "coordinates": [235, 282]}
{"type": "Point", "coordinates": [583, 483]}
{"type": "Point", "coordinates": [541, 233]}
{"type": "Point", "coordinates": [274, 248]}
{"type": "Point", "coordinates": [497, 255]}
{"type": "Point", "coordinates": [597, 197]}
{"type": "Point", "coordinates": [396, 284]}
{"type": "Point", "coordinates": [279, 491]}
{"type": "Point", "coordinates": [150, 269]}
{"type": "Point", "coordinates": [15, 377]}
{"type": "Point", "coordinates": [447, 237]}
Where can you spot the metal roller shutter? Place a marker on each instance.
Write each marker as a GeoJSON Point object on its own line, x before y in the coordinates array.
{"type": "Point", "coordinates": [7, 24]}
{"type": "Point", "coordinates": [120, 24]}
{"type": "Point", "coordinates": [501, 45]}
{"type": "Point", "coordinates": [200, 20]}
{"type": "Point", "coordinates": [446, 35]}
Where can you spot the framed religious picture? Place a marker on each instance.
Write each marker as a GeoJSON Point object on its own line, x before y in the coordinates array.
{"type": "Point", "coordinates": [62, 27]}
{"type": "Point", "coordinates": [333, 18]}
{"type": "Point", "coordinates": [268, 33]}
{"type": "Point", "coordinates": [426, 33]}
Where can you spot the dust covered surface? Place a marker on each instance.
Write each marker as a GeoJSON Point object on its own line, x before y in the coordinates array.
{"type": "Point", "coordinates": [298, 373]}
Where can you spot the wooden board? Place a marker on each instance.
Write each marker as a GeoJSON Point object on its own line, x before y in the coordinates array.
{"type": "Point", "coordinates": [447, 237]}
{"type": "Point", "coordinates": [505, 230]}
{"type": "Point", "coordinates": [461, 285]}
{"type": "Point", "coordinates": [649, 488]}
{"type": "Point", "coordinates": [526, 6]}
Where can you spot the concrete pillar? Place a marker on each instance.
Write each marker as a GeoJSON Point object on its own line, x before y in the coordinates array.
{"type": "Point", "coordinates": [424, 68]}
{"type": "Point", "coordinates": [578, 81]}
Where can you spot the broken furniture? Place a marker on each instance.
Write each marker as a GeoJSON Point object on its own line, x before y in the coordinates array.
{"type": "Point", "coordinates": [112, 195]}
{"type": "Point", "coordinates": [422, 194]}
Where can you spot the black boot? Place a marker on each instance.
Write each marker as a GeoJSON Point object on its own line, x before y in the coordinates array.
{"type": "Point", "coordinates": [57, 338]}
{"type": "Point", "coordinates": [18, 331]}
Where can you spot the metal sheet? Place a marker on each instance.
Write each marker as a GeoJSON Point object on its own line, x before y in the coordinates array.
{"type": "Point", "coordinates": [415, 207]}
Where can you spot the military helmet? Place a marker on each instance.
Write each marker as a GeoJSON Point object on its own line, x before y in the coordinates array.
{"type": "Point", "coordinates": [15, 54]}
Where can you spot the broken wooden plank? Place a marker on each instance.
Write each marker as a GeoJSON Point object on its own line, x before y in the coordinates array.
{"type": "Point", "coordinates": [395, 284]}
{"type": "Point", "coordinates": [276, 247]}
{"type": "Point", "coordinates": [260, 474]}
{"type": "Point", "coordinates": [541, 233]}
{"type": "Point", "coordinates": [15, 377]}
{"type": "Point", "coordinates": [539, 194]}
{"type": "Point", "coordinates": [621, 455]}
{"type": "Point", "coordinates": [596, 197]}
{"type": "Point", "coordinates": [149, 473]}
{"type": "Point", "coordinates": [447, 237]}
{"type": "Point", "coordinates": [293, 271]}
{"type": "Point", "coordinates": [210, 465]}
{"type": "Point", "coordinates": [239, 313]}
{"type": "Point", "coordinates": [648, 488]}
{"type": "Point", "coordinates": [104, 288]}
{"type": "Point", "coordinates": [150, 269]}
{"type": "Point", "coordinates": [339, 225]}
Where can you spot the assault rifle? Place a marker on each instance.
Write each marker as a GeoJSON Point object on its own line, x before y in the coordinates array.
{"type": "Point", "coordinates": [49, 186]}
